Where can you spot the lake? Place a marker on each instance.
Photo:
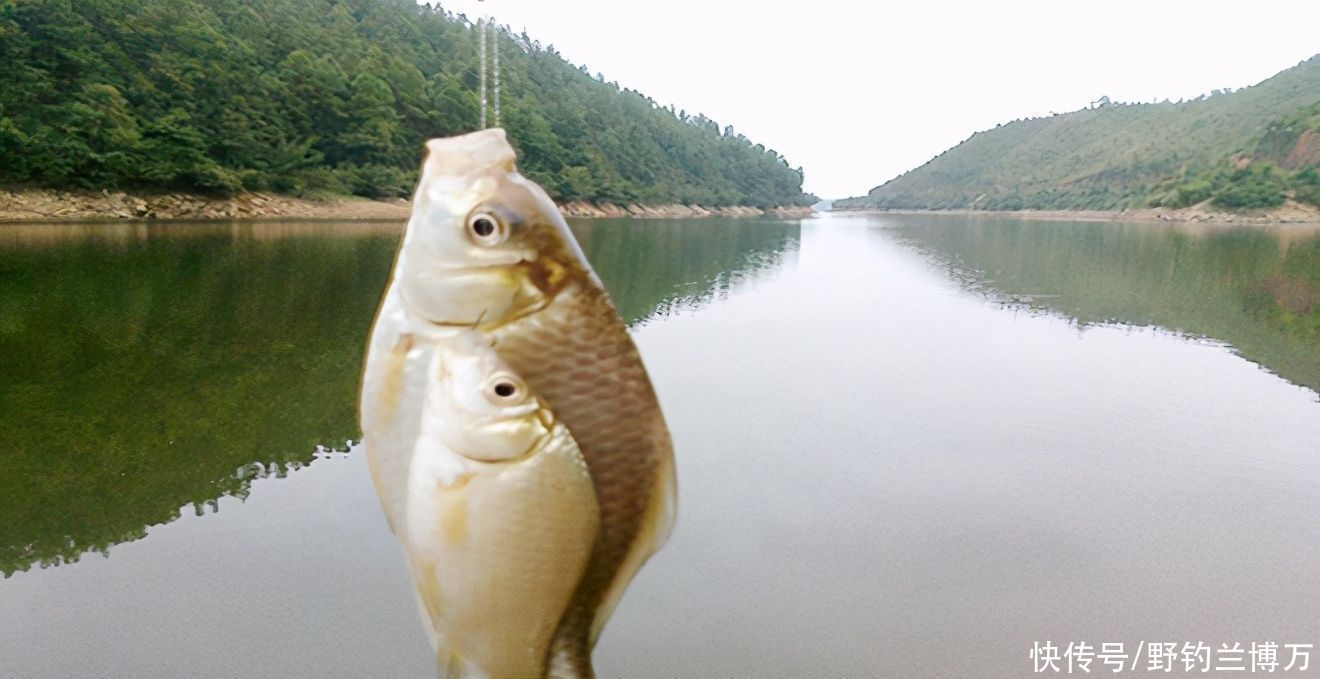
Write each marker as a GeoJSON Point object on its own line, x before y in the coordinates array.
{"type": "Point", "coordinates": [907, 446]}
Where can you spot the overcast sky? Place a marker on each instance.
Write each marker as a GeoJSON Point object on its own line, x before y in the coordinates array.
{"type": "Point", "coordinates": [857, 92]}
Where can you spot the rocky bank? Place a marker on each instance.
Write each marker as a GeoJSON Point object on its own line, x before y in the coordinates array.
{"type": "Point", "coordinates": [47, 206]}
{"type": "Point", "coordinates": [1291, 212]}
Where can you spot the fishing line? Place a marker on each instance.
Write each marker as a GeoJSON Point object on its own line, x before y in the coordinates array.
{"type": "Point", "coordinates": [482, 29]}
{"type": "Point", "coordinates": [481, 65]}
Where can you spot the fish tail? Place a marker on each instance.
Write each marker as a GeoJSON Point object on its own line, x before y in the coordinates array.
{"type": "Point", "coordinates": [570, 658]}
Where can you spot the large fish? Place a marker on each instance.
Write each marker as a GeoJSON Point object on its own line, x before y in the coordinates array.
{"type": "Point", "coordinates": [487, 251]}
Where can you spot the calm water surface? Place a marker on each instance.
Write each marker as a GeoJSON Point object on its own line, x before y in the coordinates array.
{"type": "Point", "coordinates": [908, 447]}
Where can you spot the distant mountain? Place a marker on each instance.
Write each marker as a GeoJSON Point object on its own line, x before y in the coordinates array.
{"type": "Point", "coordinates": [1112, 156]}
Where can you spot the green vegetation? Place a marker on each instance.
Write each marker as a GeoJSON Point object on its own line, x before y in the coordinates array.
{"type": "Point", "coordinates": [1257, 185]}
{"type": "Point", "coordinates": [1231, 185]}
{"type": "Point", "coordinates": [150, 368]}
{"type": "Point", "coordinates": [1293, 141]}
{"type": "Point", "coordinates": [1306, 186]}
{"type": "Point", "coordinates": [331, 96]}
{"type": "Point", "coordinates": [1114, 156]}
{"type": "Point", "coordinates": [1258, 290]}
{"type": "Point", "coordinates": [1281, 163]}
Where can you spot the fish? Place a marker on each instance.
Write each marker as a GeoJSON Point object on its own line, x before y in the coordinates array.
{"type": "Point", "coordinates": [502, 515]}
{"type": "Point", "coordinates": [486, 251]}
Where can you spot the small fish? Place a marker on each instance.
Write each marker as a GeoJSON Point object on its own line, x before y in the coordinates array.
{"type": "Point", "coordinates": [487, 252]}
{"type": "Point", "coordinates": [502, 516]}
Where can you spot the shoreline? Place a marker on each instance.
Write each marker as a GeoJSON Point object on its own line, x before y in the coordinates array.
{"type": "Point", "coordinates": [1290, 212]}
{"type": "Point", "coordinates": [40, 205]}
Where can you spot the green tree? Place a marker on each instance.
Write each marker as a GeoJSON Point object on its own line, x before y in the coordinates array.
{"type": "Point", "coordinates": [312, 96]}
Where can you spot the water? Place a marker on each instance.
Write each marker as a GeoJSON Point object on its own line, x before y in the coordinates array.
{"type": "Point", "coordinates": [907, 446]}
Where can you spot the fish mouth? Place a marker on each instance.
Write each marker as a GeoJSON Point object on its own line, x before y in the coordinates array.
{"type": "Point", "coordinates": [521, 410]}
{"type": "Point", "coordinates": [511, 263]}
{"type": "Point", "coordinates": [442, 258]}
{"type": "Point", "coordinates": [480, 323]}
{"type": "Point", "coordinates": [525, 298]}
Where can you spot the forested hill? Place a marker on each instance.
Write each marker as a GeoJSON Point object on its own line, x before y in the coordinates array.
{"type": "Point", "coordinates": [1112, 156]}
{"type": "Point", "coordinates": [331, 96]}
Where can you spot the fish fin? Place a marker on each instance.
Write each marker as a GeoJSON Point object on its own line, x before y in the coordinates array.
{"type": "Point", "coordinates": [570, 663]}
{"type": "Point", "coordinates": [373, 468]}
{"type": "Point", "coordinates": [384, 383]}
{"type": "Point", "coordinates": [431, 635]}
{"type": "Point", "coordinates": [391, 383]}
{"type": "Point", "coordinates": [656, 528]}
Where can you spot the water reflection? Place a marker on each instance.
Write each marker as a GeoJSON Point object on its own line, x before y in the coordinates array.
{"type": "Point", "coordinates": [146, 371]}
{"type": "Point", "coordinates": [655, 268]}
{"type": "Point", "coordinates": [859, 437]}
{"type": "Point", "coordinates": [1255, 289]}
{"type": "Point", "coordinates": [153, 367]}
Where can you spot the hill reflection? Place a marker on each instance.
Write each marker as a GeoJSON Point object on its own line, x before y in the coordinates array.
{"type": "Point", "coordinates": [1257, 289]}
{"type": "Point", "coordinates": [655, 267]}
{"type": "Point", "coordinates": [148, 369]}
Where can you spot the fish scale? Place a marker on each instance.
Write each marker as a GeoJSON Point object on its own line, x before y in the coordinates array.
{"type": "Point", "coordinates": [611, 410]}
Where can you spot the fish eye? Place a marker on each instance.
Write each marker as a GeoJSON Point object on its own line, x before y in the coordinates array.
{"type": "Point", "coordinates": [486, 229]}
{"type": "Point", "coordinates": [505, 389]}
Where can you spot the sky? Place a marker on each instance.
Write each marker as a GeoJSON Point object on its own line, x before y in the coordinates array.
{"type": "Point", "coordinates": [858, 92]}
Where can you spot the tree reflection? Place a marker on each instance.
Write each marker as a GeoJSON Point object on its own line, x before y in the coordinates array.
{"type": "Point", "coordinates": [654, 267]}
{"type": "Point", "coordinates": [148, 369]}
